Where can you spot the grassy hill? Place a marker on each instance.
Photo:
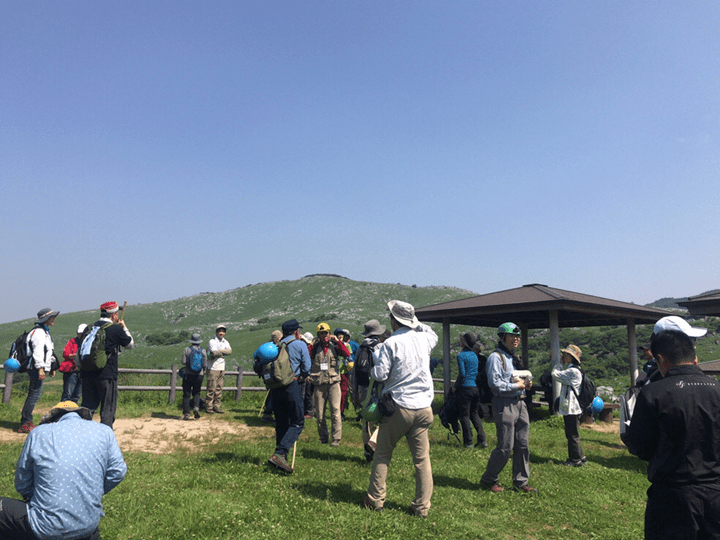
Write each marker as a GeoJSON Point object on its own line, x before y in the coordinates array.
{"type": "Point", "coordinates": [250, 313]}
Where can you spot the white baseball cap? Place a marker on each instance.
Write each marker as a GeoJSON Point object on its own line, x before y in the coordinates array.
{"type": "Point", "coordinates": [673, 322]}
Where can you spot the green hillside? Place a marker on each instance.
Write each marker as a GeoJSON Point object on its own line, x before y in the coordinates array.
{"type": "Point", "coordinates": [251, 313]}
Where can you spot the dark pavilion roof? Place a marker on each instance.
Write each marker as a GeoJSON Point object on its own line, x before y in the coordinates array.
{"type": "Point", "coordinates": [531, 304]}
{"type": "Point", "coordinates": [711, 368]}
{"type": "Point", "coordinates": [703, 304]}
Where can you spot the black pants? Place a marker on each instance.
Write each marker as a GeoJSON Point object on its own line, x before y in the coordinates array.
{"type": "Point", "coordinates": [191, 389]}
{"type": "Point", "coordinates": [103, 393]}
{"type": "Point", "coordinates": [572, 425]}
{"type": "Point", "coordinates": [14, 524]}
{"type": "Point", "coordinates": [469, 405]}
{"type": "Point", "coordinates": [683, 512]}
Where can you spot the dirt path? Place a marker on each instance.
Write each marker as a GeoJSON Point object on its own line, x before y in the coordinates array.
{"type": "Point", "coordinates": [163, 434]}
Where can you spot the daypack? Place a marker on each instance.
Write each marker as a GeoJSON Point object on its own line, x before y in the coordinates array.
{"type": "Point", "coordinates": [18, 351]}
{"type": "Point", "coordinates": [481, 380]}
{"type": "Point", "coordinates": [627, 407]}
{"type": "Point", "coordinates": [278, 373]}
{"type": "Point", "coordinates": [91, 354]}
{"type": "Point", "coordinates": [195, 362]}
{"type": "Point", "coordinates": [587, 391]}
{"type": "Point", "coordinates": [363, 364]}
{"type": "Point", "coordinates": [449, 413]}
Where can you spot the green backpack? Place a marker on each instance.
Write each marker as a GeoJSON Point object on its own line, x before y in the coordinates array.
{"type": "Point", "coordinates": [92, 355]}
{"type": "Point", "coordinates": [278, 373]}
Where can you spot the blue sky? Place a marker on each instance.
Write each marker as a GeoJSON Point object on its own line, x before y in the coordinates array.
{"type": "Point", "coordinates": [157, 149]}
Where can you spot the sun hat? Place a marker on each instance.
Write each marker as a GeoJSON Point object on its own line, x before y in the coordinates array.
{"type": "Point", "coordinates": [276, 334]}
{"type": "Point", "coordinates": [468, 340]}
{"type": "Point", "coordinates": [81, 328]}
{"type": "Point", "coordinates": [574, 351]}
{"type": "Point", "coordinates": [196, 339]}
{"type": "Point", "coordinates": [45, 314]}
{"type": "Point", "coordinates": [308, 337]}
{"type": "Point", "coordinates": [373, 328]}
{"type": "Point", "coordinates": [64, 407]}
{"type": "Point", "coordinates": [673, 322]}
{"type": "Point", "coordinates": [404, 313]}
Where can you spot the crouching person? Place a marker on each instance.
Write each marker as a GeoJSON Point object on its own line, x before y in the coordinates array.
{"type": "Point", "coordinates": [66, 466]}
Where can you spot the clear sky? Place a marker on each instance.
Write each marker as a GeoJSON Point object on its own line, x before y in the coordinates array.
{"type": "Point", "coordinates": [151, 150]}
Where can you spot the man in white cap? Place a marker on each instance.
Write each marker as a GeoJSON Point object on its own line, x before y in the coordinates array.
{"type": "Point", "coordinates": [218, 349]}
{"type": "Point", "coordinates": [66, 466]}
{"type": "Point", "coordinates": [39, 345]}
{"type": "Point", "coordinates": [70, 369]}
{"type": "Point", "coordinates": [402, 363]}
{"type": "Point", "coordinates": [676, 428]}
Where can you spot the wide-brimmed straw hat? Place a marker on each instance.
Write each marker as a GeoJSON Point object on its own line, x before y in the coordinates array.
{"type": "Point", "coordinates": [574, 351]}
{"type": "Point", "coordinates": [64, 407]}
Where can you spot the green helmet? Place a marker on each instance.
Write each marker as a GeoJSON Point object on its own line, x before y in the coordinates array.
{"type": "Point", "coordinates": [508, 328]}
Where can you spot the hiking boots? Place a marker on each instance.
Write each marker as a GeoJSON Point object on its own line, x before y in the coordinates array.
{"type": "Point", "coordinates": [196, 413]}
{"type": "Point", "coordinates": [280, 461]}
{"type": "Point", "coordinates": [187, 416]}
{"type": "Point", "coordinates": [369, 505]}
{"type": "Point", "coordinates": [335, 444]}
{"type": "Point", "coordinates": [573, 463]}
{"type": "Point", "coordinates": [267, 418]}
{"type": "Point", "coordinates": [26, 428]}
{"type": "Point", "coordinates": [525, 489]}
{"type": "Point", "coordinates": [494, 488]}
{"type": "Point", "coordinates": [218, 410]}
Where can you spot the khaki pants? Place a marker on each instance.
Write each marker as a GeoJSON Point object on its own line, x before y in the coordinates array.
{"type": "Point", "coordinates": [413, 425]}
{"type": "Point", "coordinates": [215, 382]}
{"type": "Point", "coordinates": [324, 394]}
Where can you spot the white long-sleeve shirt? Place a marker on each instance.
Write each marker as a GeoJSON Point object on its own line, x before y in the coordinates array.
{"type": "Point", "coordinates": [215, 344]}
{"type": "Point", "coordinates": [402, 362]}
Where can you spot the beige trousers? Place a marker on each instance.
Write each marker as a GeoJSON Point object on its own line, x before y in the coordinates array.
{"type": "Point", "coordinates": [324, 394]}
{"type": "Point", "coordinates": [413, 425]}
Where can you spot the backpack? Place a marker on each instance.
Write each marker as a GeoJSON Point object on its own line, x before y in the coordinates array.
{"type": "Point", "coordinates": [481, 380]}
{"type": "Point", "coordinates": [587, 391]}
{"type": "Point", "coordinates": [91, 354]}
{"type": "Point", "coordinates": [195, 362]}
{"type": "Point", "coordinates": [627, 407]}
{"type": "Point", "coordinates": [18, 351]}
{"type": "Point", "coordinates": [278, 373]}
{"type": "Point", "coordinates": [449, 413]}
{"type": "Point", "coordinates": [363, 364]}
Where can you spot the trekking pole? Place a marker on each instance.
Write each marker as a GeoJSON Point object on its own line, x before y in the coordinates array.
{"type": "Point", "coordinates": [262, 407]}
{"type": "Point", "coordinates": [292, 466]}
{"type": "Point", "coordinates": [122, 315]}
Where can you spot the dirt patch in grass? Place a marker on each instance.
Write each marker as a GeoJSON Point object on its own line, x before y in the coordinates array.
{"type": "Point", "coordinates": [160, 435]}
{"type": "Point", "coordinates": [605, 427]}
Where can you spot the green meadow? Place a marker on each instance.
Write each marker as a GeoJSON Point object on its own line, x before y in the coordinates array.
{"type": "Point", "coordinates": [226, 490]}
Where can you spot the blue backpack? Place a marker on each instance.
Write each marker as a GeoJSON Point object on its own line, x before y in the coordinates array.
{"type": "Point", "coordinates": [195, 362]}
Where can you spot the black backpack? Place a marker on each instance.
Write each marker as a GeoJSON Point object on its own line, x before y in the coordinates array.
{"type": "Point", "coordinates": [18, 351]}
{"type": "Point", "coordinates": [587, 392]}
{"type": "Point", "coordinates": [481, 380]}
{"type": "Point", "coordinates": [363, 364]}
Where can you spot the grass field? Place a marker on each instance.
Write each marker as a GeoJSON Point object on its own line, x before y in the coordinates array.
{"type": "Point", "coordinates": [225, 490]}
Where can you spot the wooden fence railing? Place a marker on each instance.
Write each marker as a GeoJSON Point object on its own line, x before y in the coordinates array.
{"type": "Point", "coordinates": [174, 384]}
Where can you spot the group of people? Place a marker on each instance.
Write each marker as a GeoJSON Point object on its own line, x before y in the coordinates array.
{"type": "Point", "coordinates": [675, 425]}
{"type": "Point", "coordinates": [98, 387]}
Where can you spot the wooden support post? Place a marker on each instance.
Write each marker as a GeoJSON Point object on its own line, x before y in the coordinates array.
{"type": "Point", "coordinates": [7, 391]}
{"type": "Point", "coordinates": [173, 384]}
{"type": "Point", "coordinates": [238, 384]}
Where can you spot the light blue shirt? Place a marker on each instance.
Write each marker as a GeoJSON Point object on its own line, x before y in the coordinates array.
{"type": "Point", "coordinates": [65, 468]}
{"type": "Point", "coordinates": [499, 369]}
{"type": "Point", "coordinates": [298, 355]}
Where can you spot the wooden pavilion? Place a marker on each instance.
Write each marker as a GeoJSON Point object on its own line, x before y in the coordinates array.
{"type": "Point", "coordinates": [539, 306]}
{"type": "Point", "coordinates": [703, 305]}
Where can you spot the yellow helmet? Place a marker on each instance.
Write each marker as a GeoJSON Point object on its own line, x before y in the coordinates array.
{"type": "Point", "coordinates": [323, 327]}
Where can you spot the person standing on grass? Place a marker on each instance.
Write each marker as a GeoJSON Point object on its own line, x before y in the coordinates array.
{"type": "Point", "coordinates": [468, 393]}
{"type": "Point", "coordinates": [308, 388]}
{"type": "Point", "coordinates": [39, 345]}
{"type": "Point", "coordinates": [218, 349]}
{"type": "Point", "coordinates": [70, 369]}
{"type": "Point", "coordinates": [570, 380]}
{"type": "Point", "coordinates": [326, 357]}
{"type": "Point", "coordinates": [288, 400]}
{"type": "Point", "coordinates": [100, 388]}
{"type": "Point", "coordinates": [512, 422]}
{"type": "Point", "coordinates": [275, 337]}
{"type": "Point", "coordinates": [66, 466]}
{"type": "Point", "coordinates": [676, 428]}
{"type": "Point", "coordinates": [192, 381]}
{"type": "Point", "coordinates": [402, 363]}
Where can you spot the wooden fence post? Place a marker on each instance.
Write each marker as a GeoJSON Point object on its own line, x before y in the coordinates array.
{"type": "Point", "coordinates": [8, 387]}
{"type": "Point", "coordinates": [173, 383]}
{"type": "Point", "coordinates": [238, 384]}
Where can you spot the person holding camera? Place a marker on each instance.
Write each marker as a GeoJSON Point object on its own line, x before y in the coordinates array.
{"type": "Point", "coordinates": [570, 380]}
